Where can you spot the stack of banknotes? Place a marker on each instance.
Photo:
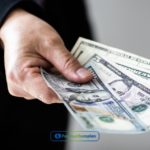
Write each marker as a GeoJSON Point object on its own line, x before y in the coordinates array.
{"type": "Point", "coordinates": [117, 100]}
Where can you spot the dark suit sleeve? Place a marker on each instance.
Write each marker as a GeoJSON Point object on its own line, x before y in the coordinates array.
{"type": "Point", "coordinates": [7, 5]}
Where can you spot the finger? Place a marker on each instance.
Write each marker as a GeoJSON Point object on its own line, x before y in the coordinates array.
{"type": "Point", "coordinates": [16, 91]}
{"type": "Point", "coordinates": [36, 86]}
{"type": "Point", "coordinates": [67, 64]}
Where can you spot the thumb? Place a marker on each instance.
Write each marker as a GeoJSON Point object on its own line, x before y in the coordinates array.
{"type": "Point", "coordinates": [68, 65]}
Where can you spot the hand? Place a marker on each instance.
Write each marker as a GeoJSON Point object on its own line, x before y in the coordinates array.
{"type": "Point", "coordinates": [30, 43]}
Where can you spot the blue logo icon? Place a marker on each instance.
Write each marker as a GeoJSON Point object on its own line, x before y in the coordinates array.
{"type": "Point", "coordinates": [57, 136]}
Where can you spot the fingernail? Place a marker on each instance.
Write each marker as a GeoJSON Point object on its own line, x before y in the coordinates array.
{"type": "Point", "coordinates": [83, 73]}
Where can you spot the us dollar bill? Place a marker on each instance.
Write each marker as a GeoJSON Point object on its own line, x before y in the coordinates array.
{"type": "Point", "coordinates": [94, 105]}
{"type": "Point", "coordinates": [85, 49]}
{"type": "Point", "coordinates": [117, 100]}
{"type": "Point", "coordinates": [132, 90]}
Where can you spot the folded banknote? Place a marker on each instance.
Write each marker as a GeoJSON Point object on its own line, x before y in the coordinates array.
{"type": "Point", "coordinates": [117, 99]}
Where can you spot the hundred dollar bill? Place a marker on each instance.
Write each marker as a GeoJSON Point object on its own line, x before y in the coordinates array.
{"type": "Point", "coordinates": [85, 49]}
{"type": "Point", "coordinates": [95, 105]}
{"type": "Point", "coordinates": [133, 91]}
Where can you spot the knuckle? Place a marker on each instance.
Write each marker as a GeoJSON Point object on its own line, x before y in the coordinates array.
{"type": "Point", "coordinates": [15, 75]}
{"type": "Point", "coordinates": [42, 98]}
{"type": "Point", "coordinates": [11, 76]}
{"type": "Point", "coordinates": [28, 73]}
{"type": "Point", "coordinates": [52, 42]}
{"type": "Point", "coordinates": [70, 63]}
{"type": "Point", "coordinates": [29, 97]}
{"type": "Point", "coordinates": [46, 98]}
{"type": "Point", "coordinates": [13, 91]}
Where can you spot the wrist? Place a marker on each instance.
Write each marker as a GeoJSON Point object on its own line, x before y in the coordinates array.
{"type": "Point", "coordinates": [15, 16]}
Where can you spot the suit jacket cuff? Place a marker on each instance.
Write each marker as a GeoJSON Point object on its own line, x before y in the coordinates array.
{"type": "Point", "coordinates": [8, 5]}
